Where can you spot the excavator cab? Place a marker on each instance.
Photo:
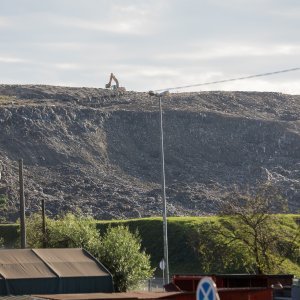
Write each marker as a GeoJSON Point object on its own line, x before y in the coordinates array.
{"type": "Point", "coordinates": [116, 86]}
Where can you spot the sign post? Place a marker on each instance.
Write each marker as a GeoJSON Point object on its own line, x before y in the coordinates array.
{"type": "Point", "coordinates": [207, 290]}
{"type": "Point", "coordinates": [162, 266]}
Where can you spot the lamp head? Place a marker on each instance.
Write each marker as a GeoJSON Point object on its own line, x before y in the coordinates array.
{"type": "Point", "coordinates": [162, 94]}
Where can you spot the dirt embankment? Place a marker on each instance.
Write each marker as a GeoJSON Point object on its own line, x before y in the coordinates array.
{"type": "Point", "coordinates": [100, 152]}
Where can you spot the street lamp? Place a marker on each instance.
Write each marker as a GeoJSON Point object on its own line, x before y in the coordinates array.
{"type": "Point", "coordinates": [163, 185]}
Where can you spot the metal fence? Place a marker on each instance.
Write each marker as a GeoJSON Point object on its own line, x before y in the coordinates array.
{"type": "Point", "coordinates": [151, 285]}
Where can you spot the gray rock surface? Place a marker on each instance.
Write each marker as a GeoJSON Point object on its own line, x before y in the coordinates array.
{"type": "Point", "coordinates": [98, 151]}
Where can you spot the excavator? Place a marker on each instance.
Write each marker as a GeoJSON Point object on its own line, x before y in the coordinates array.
{"type": "Point", "coordinates": [116, 86]}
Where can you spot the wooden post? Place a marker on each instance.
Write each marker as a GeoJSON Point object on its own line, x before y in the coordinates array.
{"type": "Point", "coordinates": [44, 224]}
{"type": "Point", "coordinates": [22, 206]}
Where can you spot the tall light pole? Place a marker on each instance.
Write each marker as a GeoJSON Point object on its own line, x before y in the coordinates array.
{"type": "Point", "coordinates": [163, 185]}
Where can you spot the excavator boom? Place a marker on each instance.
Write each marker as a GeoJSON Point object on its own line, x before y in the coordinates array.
{"type": "Point", "coordinates": [116, 85]}
{"type": "Point", "coordinates": [112, 78]}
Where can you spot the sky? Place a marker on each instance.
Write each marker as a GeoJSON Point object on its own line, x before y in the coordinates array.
{"type": "Point", "coordinates": [151, 44]}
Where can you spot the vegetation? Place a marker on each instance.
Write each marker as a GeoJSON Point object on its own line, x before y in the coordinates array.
{"type": "Point", "coordinates": [238, 248]}
{"type": "Point", "coordinates": [3, 200]}
{"type": "Point", "coordinates": [182, 257]}
{"type": "Point", "coordinates": [196, 244]}
{"type": "Point", "coordinates": [69, 231]}
{"type": "Point", "coordinates": [3, 205]}
{"type": "Point", "coordinates": [256, 230]}
{"type": "Point", "coordinates": [195, 247]}
{"type": "Point", "coordinates": [119, 250]}
{"type": "Point", "coordinates": [9, 234]}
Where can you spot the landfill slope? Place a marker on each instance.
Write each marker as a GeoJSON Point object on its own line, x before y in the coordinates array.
{"type": "Point", "coordinates": [97, 151]}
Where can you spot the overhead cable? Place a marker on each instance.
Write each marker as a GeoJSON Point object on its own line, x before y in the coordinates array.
{"type": "Point", "coordinates": [228, 80]}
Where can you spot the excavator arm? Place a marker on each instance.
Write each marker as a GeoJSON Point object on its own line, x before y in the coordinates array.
{"type": "Point", "coordinates": [116, 87]}
{"type": "Point", "coordinates": [112, 78]}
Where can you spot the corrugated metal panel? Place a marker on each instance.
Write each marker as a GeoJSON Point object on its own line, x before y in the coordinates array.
{"type": "Point", "coordinates": [16, 264]}
{"type": "Point", "coordinates": [24, 297]}
{"type": "Point", "coordinates": [70, 262]}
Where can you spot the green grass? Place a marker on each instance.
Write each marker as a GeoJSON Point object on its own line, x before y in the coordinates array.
{"type": "Point", "coordinates": [183, 258]}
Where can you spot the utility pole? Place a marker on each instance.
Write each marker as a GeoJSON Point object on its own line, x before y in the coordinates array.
{"type": "Point", "coordinates": [44, 224]}
{"type": "Point", "coordinates": [22, 206]}
{"type": "Point", "coordinates": [163, 185]}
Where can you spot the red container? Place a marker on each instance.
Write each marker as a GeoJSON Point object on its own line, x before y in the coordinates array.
{"type": "Point", "coordinates": [233, 286]}
{"type": "Point", "coordinates": [190, 282]}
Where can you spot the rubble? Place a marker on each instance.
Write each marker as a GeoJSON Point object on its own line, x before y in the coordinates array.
{"type": "Point", "coordinates": [98, 151]}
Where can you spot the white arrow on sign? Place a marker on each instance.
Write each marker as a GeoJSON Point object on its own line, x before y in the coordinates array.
{"type": "Point", "coordinates": [207, 290]}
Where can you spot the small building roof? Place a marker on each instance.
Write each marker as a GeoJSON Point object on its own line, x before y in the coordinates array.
{"type": "Point", "coordinates": [49, 263]}
{"type": "Point", "coordinates": [16, 264]}
{"type": "Point", "coordinates": [70, 262]}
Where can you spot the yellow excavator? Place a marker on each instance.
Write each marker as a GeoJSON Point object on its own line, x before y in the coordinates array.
{"type": "Point", "coordinates": [115, 86]}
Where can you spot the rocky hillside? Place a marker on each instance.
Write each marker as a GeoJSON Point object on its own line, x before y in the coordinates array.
{"type": "Point", "coordinates": [98, 151]}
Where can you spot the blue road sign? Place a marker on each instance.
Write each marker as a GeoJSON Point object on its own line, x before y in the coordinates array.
{"type": "Point", "coordinates": [207, 290]}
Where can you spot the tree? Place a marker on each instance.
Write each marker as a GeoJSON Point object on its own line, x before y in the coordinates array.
{"type": "Point", "coordinates": [121, 252]}
{"type": "Point", "coordinates": [250, 219]}
{"type": "Point", "coordinates": [73, 231]}
{"type": "Point", "coordinates": [34, 230]}
{"type": "Point", "coordinates": [118, 250]}
{"type": "Point", "coordinates": [3, 200]}
{"type": "Point", "coordinates": [65, 232]}
{"type": "Point", "coordinates": [3, 205]}
{"type": "Point", "coordinates": [217, 254]}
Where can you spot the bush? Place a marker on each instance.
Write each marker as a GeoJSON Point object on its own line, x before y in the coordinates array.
{"type": "Point", "coordinates": [3, 206]}
{"type": "Point", "coordinates": [119, 249]}
{"type": "Point", "coordinates": [121, 252]}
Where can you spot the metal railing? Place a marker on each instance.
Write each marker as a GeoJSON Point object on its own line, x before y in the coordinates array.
{"type": "Point", "coordinates": [151, 285]}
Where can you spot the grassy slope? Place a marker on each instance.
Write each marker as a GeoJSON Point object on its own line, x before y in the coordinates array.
{"type": "Point", "coordinates": [182, 257]}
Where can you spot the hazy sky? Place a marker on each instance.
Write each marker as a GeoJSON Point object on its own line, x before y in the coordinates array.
{"type": "Point", "coordinates": [150, 44]}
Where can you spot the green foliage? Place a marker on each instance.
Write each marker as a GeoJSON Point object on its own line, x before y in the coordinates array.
{"type": "Point", "coordinates": [121, 252]}
{"type": "Point", "coordinates": [194, 247]}
{"type": "Point", "coordinates": [69, 231]}
{"type": "Point", "coordinates": [9, 234]}
{"type": "Point", "coordinates": [206, 244]}
{"type": "Point", "coordinates": [74, 231]}
{"type": "Point", "coordinates": [226, 246]}
{"type": "Point", "coordinates": [267, 242]}
{"type": "Point", "coordinates": [257, 231]}
{"type": "Point", "coordinates": [3, 205]}
{"type": "Point", "coordinates": [182, 257]}
{"type": "Point", "coordinates": [34, 231]}
{"type": "Point", "coordinates": [66, 232]}
{"type": "Point", "coordinates": [218, 254]}
{"type": "Point", "coordinates": [119, 249]}
{"type": "Point", "coordinates": [3, 201]}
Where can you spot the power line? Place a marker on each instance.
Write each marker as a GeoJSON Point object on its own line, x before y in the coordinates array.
{"type": "Point", "coordinates": [228, 80]}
